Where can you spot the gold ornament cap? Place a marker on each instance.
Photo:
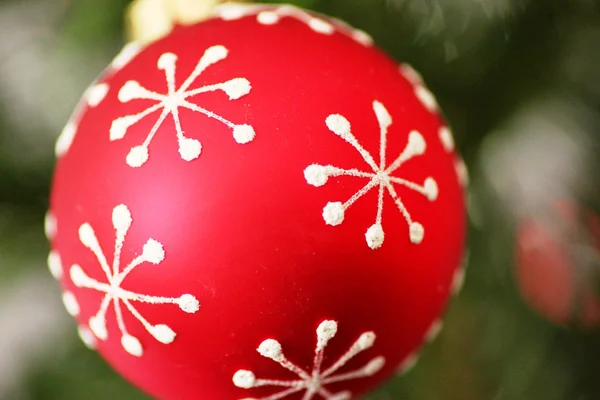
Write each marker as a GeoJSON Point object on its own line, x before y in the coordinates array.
{"type": "Point", "coordinates": [150, 20]}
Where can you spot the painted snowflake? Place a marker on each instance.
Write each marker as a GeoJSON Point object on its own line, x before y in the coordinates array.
{"type": "Point", "coordinates": [314, 382]}
{"type": "Point", "coordinates": [380, 177]}
{"type": "Point", "coordinates": [173, 100]}
{"type": "Point", "coordinates": [152, 252]}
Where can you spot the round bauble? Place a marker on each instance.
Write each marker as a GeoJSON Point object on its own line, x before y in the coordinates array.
{"type": "Point", "coordinates": [558, 264]}
{"type": "Point", "coordinates": [261, 205]}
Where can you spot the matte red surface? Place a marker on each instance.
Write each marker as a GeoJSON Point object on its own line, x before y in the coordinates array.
{"type": "Point", "coordinates": [241, 228]}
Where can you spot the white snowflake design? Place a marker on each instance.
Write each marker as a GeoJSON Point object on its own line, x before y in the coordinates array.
{"type": "Point", "coordinates": [314, 382]}
{"type": "Point", "coordinates": [272, 16]}
{"type": "Point", "coordinates": [379, 177]}
{"type": "Point", "coordinates": [152, 252]}
{"type": "Point", "coordinates": [189, 149]}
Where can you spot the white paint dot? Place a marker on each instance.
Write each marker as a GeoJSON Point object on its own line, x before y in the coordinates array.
{"type": "Point", "coordinates": [163, 333]}
{"type": "Point", "coordinates": [244, 379]}
{"type": "Point", "coordinates": [458, 282]}
{"type": "Point", "coordinates": [55, 264]}
{"type": "Point", "coordinates": [231, 12]}
{"type": "Point", "coordinates": [50, 225]}
{"type": "Point", "coordinates": [119, 126]}
{"type": "Point", "coordinates": [333, 213]}
{"type": "Point", "coordinates": [267, 18]}
{"type": "Point", "coordinates": [167, 61]}
{"type": "Point", "coordinates": [95, 94]}
{"type": "Point", "coordinates": [383, 116]}
{"type": "Point", "coordinates": [431, 189]}
{"type": "Point", "coordinates": [65, 139]}
{"type": "Point", "coordinates": [338, 124]}
{"type": "Point", "coordinates": [446, 138]}
{"type": "Point", "coordinates": [411, 74]}
{"type": "Point", "coordinates": [408, 364]}
{"type": "Point", "coordinates": [138, 156]}
{"type": "Point", "coordinates": [86, 235]}
{"type": "Point", "coordinates": [357, 35]}
{"type": "Point", "coordinates": [316, 175]}
{"type": "Point", "coordinates": [427, 98]}
{"type": "Point", "coordinates": [237, 88]}
{"type": "Point", "coordinates": [345, 395]}
{"type": "Point", "coordinates": [189, 303]}
{"type": "Point", "coordinates": [434, 330]}
{"type": "Point", "coordinates": [366, 340]}
{"type": "Point", "coordinates": [362, 37]}
{"type": "Point", "coordinates": [462, 172]}
{"type": "Point", "coordinates": [77, 275]}
{"type": "Point", "coordinates": [153, 252]}
{"type": "Point", "coordinates": [325, 332]}
{"type": "Point", "coordinates": [71, 304]}
{"type": "Point", "coordinates": [132, 345]}
{"type": "Point", "coordinates": [271, 348]}
{"type": "Point", "coordinates": [416, 143]}
{"type": "Point", "coordinates": [215, 54]}
{"type": "Point", "coordinates": [375, 236]}
{"type": "Point", "coordinates": [127, 54]}
{"type": "Point", "coordinates": [86, 337]}
{"type": "Point", "coordinates": [98, 327]}
{"type": "Point", "coordinates": [321, 26]}
{"type": "Point", "coordinates": [243, 134]}
{"type": "Point", "coordinates": [129, 91]}
{"type": "Point", "coordinates": [292, 11]}
{"type": "Point", "coordinates": [417, 232]}
{"type": "Point", "coordinates": [374, 366]}
{"type": "Point", "coordinates": [121, 218]}
{"type": "Point", "coordinates": [189, 149]}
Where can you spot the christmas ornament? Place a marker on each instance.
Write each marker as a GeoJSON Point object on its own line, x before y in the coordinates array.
{"type": "Point", "coordinates": [557, 262]}
{"type": "Point", "coordinates": [261, 205]}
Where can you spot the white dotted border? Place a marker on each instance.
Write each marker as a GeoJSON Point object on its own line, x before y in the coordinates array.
{"type": "Point", "coordinates": [445, 135]}
{"type": "Point", "coordinates": [436, 327]}
{"type": "Point", "coordinates": [272, 14]}
{"type": "Point", "coordinates": [71, 304]}
{"type": "Point", "coordinates": [446, 138]}
{"type": "Point", "coordinates": [87, 337]}
{"type": "Point", "coordinates": [92, 98]}
{"type": "Point", "coordinates": [50, 226]}
{"type": "Point", "coordinates": [126, 55]}
{"type": "Point", "coordinates": [425, 96]}
{"type": "Point", "coordinates": [55, 266]}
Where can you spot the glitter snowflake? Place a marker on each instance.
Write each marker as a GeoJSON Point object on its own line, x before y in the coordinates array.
{"type": "Point", "coordinates": [114, 293]}
{"type": "Point", "coordinates": [314, 382]}
{"type": "Point", "coordinates": [379, 177]}
{"type": "Point", "coordinates": [173, 100]}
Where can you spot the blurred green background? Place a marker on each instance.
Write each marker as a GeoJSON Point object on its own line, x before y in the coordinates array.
{"type": "Point", "coordinates": [519, 82]}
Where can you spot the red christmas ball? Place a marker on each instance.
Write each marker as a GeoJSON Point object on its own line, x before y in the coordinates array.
{"type": "Point", "coordinates": [261, 205]}
{"type": "Point", "coordinates": [557, 259]}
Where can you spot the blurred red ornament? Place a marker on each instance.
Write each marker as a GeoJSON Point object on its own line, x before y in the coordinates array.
{"type": "Point", "coordinates": [261, 205]}
{"type": "Point", "coordinates": [558, 264]}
